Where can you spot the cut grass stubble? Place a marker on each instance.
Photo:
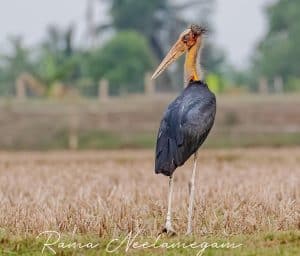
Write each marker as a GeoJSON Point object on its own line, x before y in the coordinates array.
{"type": "Point", "coordinates": [108, 194]}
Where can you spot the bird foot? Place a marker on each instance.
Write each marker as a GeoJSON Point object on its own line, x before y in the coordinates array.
{"type": "Point", "coordinates": [169, 231]}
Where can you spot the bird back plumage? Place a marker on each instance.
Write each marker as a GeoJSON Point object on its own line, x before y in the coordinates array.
{"type": "Point", "coordinates": [185, 125]}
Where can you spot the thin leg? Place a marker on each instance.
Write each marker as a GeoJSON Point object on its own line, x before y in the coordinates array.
{"type": "Point", "coordinates": [192, 196]}
{"type": "Point", "coordinates": [168, 228]}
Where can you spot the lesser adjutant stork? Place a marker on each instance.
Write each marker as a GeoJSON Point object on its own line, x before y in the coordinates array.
{"type": "Point", "coordinates": [188, 119]}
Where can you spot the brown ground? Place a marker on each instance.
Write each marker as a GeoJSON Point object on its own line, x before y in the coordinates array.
{"type": "Point", "coordinates": [112, 192]}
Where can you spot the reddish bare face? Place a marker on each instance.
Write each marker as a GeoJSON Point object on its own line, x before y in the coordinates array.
{"type": "Point", "coordinates": [186, 41]}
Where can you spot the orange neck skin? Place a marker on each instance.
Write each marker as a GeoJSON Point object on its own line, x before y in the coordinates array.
{"type": "Point", "coordinates": [192, 70]}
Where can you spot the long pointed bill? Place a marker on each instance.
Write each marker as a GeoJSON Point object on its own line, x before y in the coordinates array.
{"type": "Point", "coordinates": [176, 51]}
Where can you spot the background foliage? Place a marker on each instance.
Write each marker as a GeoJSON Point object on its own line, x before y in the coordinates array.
{"type": "Point", "coordinates": [123, 61]}
{"type": "Point", "coordinates": [278, 54]}
{"type": "Point", "coordinates": [140, 34]}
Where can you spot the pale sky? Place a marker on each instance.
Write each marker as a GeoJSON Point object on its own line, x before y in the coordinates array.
{"type": "Point", "coordinates": [239, 24]}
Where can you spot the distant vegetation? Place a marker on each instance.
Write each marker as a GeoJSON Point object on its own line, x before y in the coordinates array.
{"type": "Point", "coordinates": [136, 37]}
{"type": "Point", "coordinates": [278, 54]}
{"type": "Point", "coordinates": [123, 61]}
{"type": "Point", "coordinates": [132, 122]}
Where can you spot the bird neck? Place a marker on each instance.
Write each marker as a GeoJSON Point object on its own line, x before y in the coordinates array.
{"type": "Point", "coordinates": [192, 69]}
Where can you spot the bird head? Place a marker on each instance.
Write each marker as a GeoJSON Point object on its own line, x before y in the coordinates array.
{"type": "Point", "coordinates": [187, 39]}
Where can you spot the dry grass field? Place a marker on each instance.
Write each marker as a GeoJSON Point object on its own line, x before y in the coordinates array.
{"type": "Point", "coordinates": [106, 194]}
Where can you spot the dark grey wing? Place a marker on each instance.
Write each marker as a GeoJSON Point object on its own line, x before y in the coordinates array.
{"type": "Point", "coordinates": [183, 129]}
{"type": "Point", "coordinates": [197, 123]}
{"type": "Point", "coordinates": [169, 139]}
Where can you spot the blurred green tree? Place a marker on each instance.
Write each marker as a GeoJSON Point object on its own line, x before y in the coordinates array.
{"type": "Point", "coordinates": [3, 82]}
{"type": "Point", "coordinates": [141, 16]}
{"type": "Point", "coordinates": [123, 60]}
{"type": "Point", "coordinates": [161, 21]}
{"type": "Point", "coordinates": [213, 59]}
{"type": "Point", "coordinates": [14, 63]}
{"type": "Point", "coordinates": [279, 53]}
{"type": "Point", "coordinates": [137, 15]}
{"type": "Point", "coordinates": [57, 59]}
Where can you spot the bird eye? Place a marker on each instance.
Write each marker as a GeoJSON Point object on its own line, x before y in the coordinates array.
{"type": "Point", "coordinates": [185, 38]}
